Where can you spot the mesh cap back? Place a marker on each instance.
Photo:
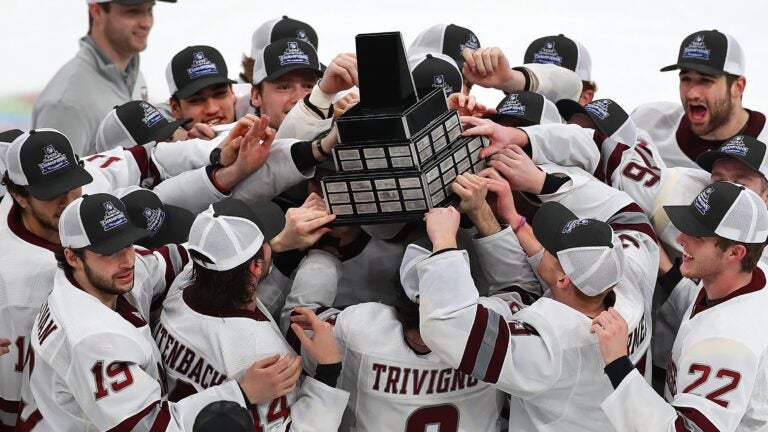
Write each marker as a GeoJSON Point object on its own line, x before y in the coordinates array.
{"type": "Point", "coordinates": [227, 241]}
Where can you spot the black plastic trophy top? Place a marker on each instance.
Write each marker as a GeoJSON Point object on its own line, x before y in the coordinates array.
{"type": "Point", "coordinates": [385, 79]}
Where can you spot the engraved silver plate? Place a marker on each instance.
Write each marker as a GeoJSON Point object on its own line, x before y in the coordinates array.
{"type": "Point", "coordinates": [376, 152]}
{"type": "Point", "coordinates": [463, 166]}
{"type": "Point", "coordinates": [401, 162]}
{"type": "Point", "coordinates": [440, 144]}
{"type": "Point", "coordinates": [342, 209]}
{"type": "Point", "coordinates": [413, 193]}
{"type": "Point", "coordinates": [415, 205]}
{"type": "Point", "coordinates": [336, 187]}
{"type": "Point", "coordinates": [446, 165]}
{"type": "Point", "coordinates": [479, 166]}
{"type": "Point", "coordinates": [363, 196]}
{"type": "Point", "coordinates": [425, 154]}
{"type": "Point", "coordinates": [460, 154]}
{"type": "Point", "coordinates": [386, 184]}
{"type": "Point", "coordinates": [390, 195]}
{"type": "Point", "coordinates": [437, 197]}
{"type": "Point", "coordinates": [422, 143]}
{"type": "Point", "coordinates": [360, 185]}
{"type": "Point", "coordinates": [437, 133]}
{"type": "Point", "coordinates": [449, 176]}
{"type": "Point", "coordinates": [432, 174]}
{"type": "Point", "coordinates": [475, 144]}
{"type": "Point", "coordinates": [366, 208]}
{"type": "Point", "coordinates": [352, 165]}
{"type": "Point", "coordinates": [452, 121]}
{"type": "Point", "coordinates": [435, 186]}
{"type": "Point", "coordinates": [409, 182]}
{"type": "Point", "coordinates": [348, 154]}
{"type": "Point", "coordinates": [337, 198]}
{"type": "Point", "coordinates": [377, 163]}
{"type": "Point", "coordinates": [453, 134]}
{"type": "Point", "coordinates": [400, 151]}
{"type": "Point", "coordinates": [391, 206]}
{"type": "Point", "coordinates": [475, 155]}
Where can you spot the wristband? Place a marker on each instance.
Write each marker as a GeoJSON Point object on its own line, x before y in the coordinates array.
{"type": "Point", "coordinates": [320, 149]}
{"type": "Point", "coordinates": [519, 225]}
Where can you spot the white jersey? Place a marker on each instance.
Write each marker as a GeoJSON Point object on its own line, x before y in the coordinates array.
{"type": "Point", "coordinates": [201, 349]}
{"type": "Point", "coordinates": [670, 130]}
{"type": "Point", "coordinates": [94, 368]}
{"type": "Point", "coordinates": [717, 379]}
{"type": "Point", "coordinates": [26, 276]}
{"type": "Point", "coordinates": [543, 355]}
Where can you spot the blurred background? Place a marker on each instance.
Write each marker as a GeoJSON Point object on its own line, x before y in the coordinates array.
{"type": "Point", "coordinates": [628, 41]}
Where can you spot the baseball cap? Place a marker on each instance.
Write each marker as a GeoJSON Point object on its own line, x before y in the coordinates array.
{"type": "Point", "coordinates": [165, 223]}
{"type": "Point", "coordinates": [283, 56]}
{"type": "Point", "coordinates": [231, 232]}
{"type": "Point", "coordinates": [134, 123]}
{"type": "Point", "coordinates": [743, 148]}
{"type": "Point", "coordinates": [723, 209]}
{"type": "Point", "coordinates": [98, 222]}
{"type": "Point", "coordinates": [530, 107]}
{"type": "Point", "coordinates": [194, 68]}
{"type": "Point", "coordinates": [433, 70]}
{"type": "Point", "coordinates": [710, 52]}
{"type": "Point", "coordinates": [223, 416]}
{"type": "Point", "coordinates": [281, 28]}
{"type": "Point", "coordinates": [607, 115]}
{"type": "Point", "coordinates": [448, 39]}
{"type": "Point", "coordinates": [561, 51]}
{"type": "Point", "coordinates": [585, 248]}
{"type": "Point", "coordinates": [44, 162]}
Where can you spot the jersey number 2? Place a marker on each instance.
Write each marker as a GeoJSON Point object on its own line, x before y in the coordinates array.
{"type": "Point", "coordinates": [714, 396]}
{"type": "Point", "coordinates": [117, 370]}
{"type": "Point", "coordinates": [435, 418]}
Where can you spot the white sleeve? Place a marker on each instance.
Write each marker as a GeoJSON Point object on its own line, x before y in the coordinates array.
{"type": "Point", "coordinates": [277, 175]}
{"type": "Point", "coordinates": [636, 170]}
{"type": "Point", "coordinates": [713, 386]}
{"type": "Point", "coordinates": [120, 167]}
{"type": "Point", "coordinates": [192, 190]}
{"type": "Point", "coordinates": [162, 265]}
{"type": "Point", "coordinates": [318, 407]}
{"type": "Point", "coordinates": [485, 342]}
{"type": "Point", "coordinates": [503, 262]}
{"type": "Point", "coordinates": [564, 145]}
{"type": "Point", "coordinates": [174, 158]}
{"type": "Point", "coordinates": [555, 82]}
{"type": "Point", "coordinates": [302, 123]}
{"type": "Point", "coordinates": [315, 284]}
{"type": "Point", "coordinates": [113, 390]}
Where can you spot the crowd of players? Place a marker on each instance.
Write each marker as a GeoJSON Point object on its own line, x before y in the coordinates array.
{"type": "Point", "coordinates": [172, 267]}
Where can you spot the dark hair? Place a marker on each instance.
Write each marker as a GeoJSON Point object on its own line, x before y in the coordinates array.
{"type": "Point", "coordinates": [750, 260]}
{"type": "Point", "coordinates": [222, 290]}
{"type": "Point", "coordinates": [247, 74]}
{"type": "Point", "coordinates": [13, 188]}
{"type": "Point", "coordinates": [588, 85]}
{"type": "Point", "coordinates": [105, 7]}
{"type": "Point", "coordinates": [406, 311]}
{"type": "Point", "coordinates": [61, 259]}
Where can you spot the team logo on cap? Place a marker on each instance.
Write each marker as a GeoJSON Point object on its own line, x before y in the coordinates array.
{"type": "Point", "coordinates": [697, 49]}
{"type": "Point", "coordinates": [472, 43]}
{"type": "Point", "coordinates": [439, 81]}
{"type": "Point", "coordinates": [548, 55]}
{"type": "Point", "coordinates": [702, 200]}
{"type": "Point", "coordinates": [301, 35]}
{"type": "Point", "coordinates": [155, 218]}
{"type": "Point", "coordinates": [293, 55]}
{"type": "Point", "coordinates": [599, 108]}
{"type": "Point", "coordinates": [571, 225]}
{"type": "Point", "coordinates": [512, 106]}
{"type": "Point", "coordinates": [735, 146]}
{"type": "Point", "coordinates": [52, 160]}
{"type": "Point", "coordinates": [113, 217]}
{"type": "Point", "coordinates": [151, 115]}
{"type": "Point", "coordinates": [201, 66]}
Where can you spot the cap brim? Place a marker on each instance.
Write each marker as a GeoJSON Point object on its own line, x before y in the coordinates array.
{"type": "Point", "coordinates": [64, 183]}
{"type": "Point", "coordinates": [270, 218]}
{"type": "Point", "coordinates": [510, 120]}
{"type": "Point", "coordinates": [707, 160]}
{"type": "Point", "coordinates": [119, 241]}
{"type": "Point", "coordinates": [567, 108]}
{"type": "Point", "coordinates": [165, 132]}
{"type": "Point", "coordinates": [548, 223]}
{"type": "Point", "coordinates": [200, 84]}
{"type": "Point", "coordinates": [175, 228]}
{"type": "Point", "coordinates": [682, 218]}
{"type": "Point", "coordinates": [698, 67]}
{"type": "Point", "coordinates": [284, 70]}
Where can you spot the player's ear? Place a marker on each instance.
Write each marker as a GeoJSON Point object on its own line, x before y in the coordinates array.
{"type": "Point", "coordinates": [72, 258]}
{"type": "Point", "coordinates": [563, 280]}
{"type": "Point", "coordinates": [738, 86]}
{"type": "Point", "coordinates": [21, 200]}
{"type": "Point", "coordinates": [737, 253]}
{"type": "Point", "coordinates": [255, 96]}
{"type": "Point", "coordinates": [175, 108]}
{"type": "Point", "coordinates": [256, 268]}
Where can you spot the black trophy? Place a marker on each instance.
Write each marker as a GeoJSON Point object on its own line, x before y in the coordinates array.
{"type": "Point", "coordinates": [397, 155]}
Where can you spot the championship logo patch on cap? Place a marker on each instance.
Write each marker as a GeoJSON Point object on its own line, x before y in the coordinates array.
{"type": "Point", "coordinates": [293, 55]}
{"type": "Point", "coordinates": [472, 43]}
{"type": "Point", "coordinates": [570, 226]}
{"type": "Point", "coordinates": [112, 217]}
{"type": "Point", "coordinates": [301, 34]}
{"type": "Point", "coordinates": [155, 218]}
{"type": "Point", "coordinates": [735, 146]}
{"type": "Point", "coordinates": [52, 160]}
{"type": "Point", "coordinates": [201, 66]}
{"type": "Point", "coordinates": [548, 55]}
{"type": "Point", "coordinates": [151, 115]}
{"type": "Point", "coordinates": [599, 108]}
{"type": "Point", "coordinates": [702, 200]}
{"type": "Point", "coordinates": [512, 106]}
{"type": "Point", "coordinates": [696, 49]}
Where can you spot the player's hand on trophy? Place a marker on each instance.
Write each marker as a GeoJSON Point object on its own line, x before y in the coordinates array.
{"type": "Point", "coordinates": [345, 103]}
{"type": "Point", "coordinates": [340, 75]}
{"type": "Point", "coordinates": [500, 197]}
{"type": "Point", "coordinates": [500, 136]}
{"type": "Point", "coordinates": [442, 226]}
{"type": "Point", "coordinates": [467, 105]}
{"type": "Point", "coordinates": [488, 67]}
{"type": "Point", "coordinates": [5, 344]}
{"type": "Point", "coordinates": [303, 225]}
{"type": "Point", "coordinates": [472, 190]}
{"type": "Point", "coordinates": [271, 378]}
{"type": "Point", "coordinates": [321, 346]}
{"type": "Point", "coordinates": [518, 169]}
{"type": "Point", "coordinates": [611, 328]}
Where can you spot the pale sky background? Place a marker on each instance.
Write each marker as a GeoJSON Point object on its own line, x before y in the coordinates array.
{"type": "Point", "coordinates": [628, 41]}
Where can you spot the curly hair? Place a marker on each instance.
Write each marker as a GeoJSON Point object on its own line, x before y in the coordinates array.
{"type": "Point", "coordinates": [222, 290]}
